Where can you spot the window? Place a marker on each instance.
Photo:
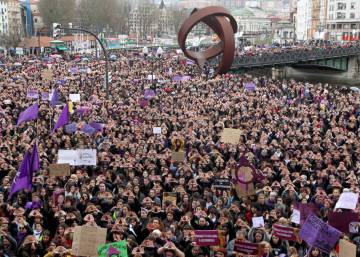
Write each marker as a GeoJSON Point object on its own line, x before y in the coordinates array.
{"type": "Point", "coordinates": [331, 8]}
{"type": "Point", "coordinates": [353, 26]}
{"type": "Point", "coordinates": [352, 6]}
{"type": "Point", "coordinates": [352, 15]}
{"type": "Point", "coordinates": [35, 20]}
{"type": "Point", "coordinates": [341, 6]}
{"type": "Point", "coordinates": [340, 15]}
{"type": "Point", "coordinates": [339, 26]}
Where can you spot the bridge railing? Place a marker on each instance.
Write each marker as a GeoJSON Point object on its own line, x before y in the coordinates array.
{"type": "Point", "coordinates": [294, 56]}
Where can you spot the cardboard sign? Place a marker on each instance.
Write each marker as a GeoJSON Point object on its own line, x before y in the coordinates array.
{"type": "Point", "coordinates": [47, 75]}
{"type": "Point", "coordinates": [317, 233]}
{"type": "Point", "coordinates": [157, 130]}
{"type": "Point", "coordinates": [246, 248]}
{"type": "Point", "coordinates": [222, 183]}
{"type": "Point", "coordinates": [87, 239]}
{"type": "Point", "coordinates": [74, 98]}
{"type": "Point", "coordinates": [178, 156]}
{"type": "Point", "coordinates": [230, 136]}
{"type": "Point", "coordinates": [59, 170]}
{"type": "Point", "coordinates": [207, 237]}
{"type": "Point", "coordinates": [79, 157]}
{"type": "Point", "coordinates": [347, 200]}
{"type": "Point", "coordinates": [342, 220]}
{"type": "Point", "coordinates": [346, 249]}
{"type": "Point", "coordinates": [286, 233]}
{"type": "Point", "coordinates": [169, 196]}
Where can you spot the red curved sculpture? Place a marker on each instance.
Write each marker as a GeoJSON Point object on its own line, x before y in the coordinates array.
{"type": "Point", "coordinates": [223, 24]}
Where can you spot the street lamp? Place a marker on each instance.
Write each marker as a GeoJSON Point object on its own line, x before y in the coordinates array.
{"type": "Point", "coordinates": [105, 54]}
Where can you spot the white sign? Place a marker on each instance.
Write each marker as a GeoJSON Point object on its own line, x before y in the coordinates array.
{"type": "Point", "coordinates": [157, 130]}
{"type": "Point", "coordinates": [79, 157]}
{"type": "Point", "coordinates": [347, 200]}
{"type": "Point", "coordinates": [151, 77]}
{"type": "Point", "coordinates": [258, 222]}
{"type": "Point", "coordinates": [74, 97]}
{"type": "Point", "coordinates": [295, 216]}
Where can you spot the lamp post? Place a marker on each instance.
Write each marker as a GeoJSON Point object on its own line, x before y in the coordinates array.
{"type": "Point", "coordinates": [39, 35]}
{"type": "Point", "coordinates": [105, 55]}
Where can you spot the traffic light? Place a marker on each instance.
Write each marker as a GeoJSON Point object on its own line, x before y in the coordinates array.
{"type": "Point", "coordinates": [56, 30]}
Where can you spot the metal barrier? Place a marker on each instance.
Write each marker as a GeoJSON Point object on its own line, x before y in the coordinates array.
{"type": "Point", "coordinates": [293, 56]}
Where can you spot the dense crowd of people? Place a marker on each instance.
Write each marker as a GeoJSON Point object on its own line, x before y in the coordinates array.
{"type": "Point", "coordinates": [303, 138]}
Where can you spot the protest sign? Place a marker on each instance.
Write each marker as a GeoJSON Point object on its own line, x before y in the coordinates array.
{"type": "Point", "coordinates": [149, 93]}
{"type": "Point", "coordinates": [206, 237]}
{"type": "Point", "coordinates": [59, 170]}
{"type": "Point", "coordinates": [246, 248]}
{"type": "Point", "coordinates": [347, 200]}
{"type": "Point", "coordinates": [222, 183]}
{"type": "Point", "coordinates": [346, 249]}
{"type": "Point", "coordinates": [169, 196]}
{"type": "Point", "coordinates": [317, 233]}
{"type": "Point", "coordinates": [32, 94]}
{"type": "Point", "coordinates": [87, 239]}
{"type": "Point", "coordinates": [230, 136]}
{"type": "Point", "coordinates": [79, 157]}
{"type": "Point", "coordinates": [178, 156]}
{"type": "Point", "coordinates": [243, 178]}
{"type": "Point", "coordinates": [353, 227]}
{"type": "Point", "coordinates": [74, 97]}
{"type": "Point", "coordinates": [258, 222]}
{"type": "Point", "coordinates": [47, 75]}
{"type": "Point", "coordinates": [250, 86]}
{"type": "Point", "coordinates": [342, 220]}
{"type": "Point", "coordinates": [286, 233]}
{"type": "Point", "coordinates": [117, 249]}
{"type": "Point", "coordinates": [157, 130]}
{"type": "Point", "coordinates": [295, 216]}
{"type": "Point", "coordinates": [45, 96]}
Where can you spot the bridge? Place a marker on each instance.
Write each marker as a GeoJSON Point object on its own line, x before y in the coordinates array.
{"type": "Point", "coordinates": [340, 64]}
{"type": "Point", "coordinates": [333, 58]}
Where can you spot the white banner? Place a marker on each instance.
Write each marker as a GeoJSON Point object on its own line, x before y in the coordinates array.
{"type": "Point", "coordinates": [79, 157]}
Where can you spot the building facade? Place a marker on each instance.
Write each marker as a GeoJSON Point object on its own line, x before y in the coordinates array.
{"type": "Point", "coordinates": [4, 19]}
{"type": "Point", "coordinates": [311, 19]}
{"type": "Point", "coordinates": [14, 17]}
{"type": "Point", "coordinates": [343, 20]}
{"type": "Point", "coordinates": [284, 32]}
{"type": "Point", "coordinates": [254, 24]}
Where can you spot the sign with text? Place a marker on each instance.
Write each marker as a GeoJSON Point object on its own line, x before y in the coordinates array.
{"type": "Point", "coordinates": [346, 249]}
{"type": "Point", "coordinates": [317, 233]}
{"type": "Point", "coordinates": [207, 237]}
{"type": "Point", "coordinates": [285, 233]}
{"type": "Point", "coordinates": [178, 156]}
{"type": "Point", "coordinates": [246, 248]}
{"type": "Point", "coordinates": [169, 196]}
{"type": "Point", "coordinates": [59, 170]}
{"type": "Point", "coordinates": [79, 157]}
{"type": "Point", "coordinates": [32, 94]}
{"type": "Point", "coordinates": [222, 183]}
{"type": "Point", "coordinates": [87, 239]}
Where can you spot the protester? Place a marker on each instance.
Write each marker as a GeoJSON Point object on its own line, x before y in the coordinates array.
{"type": "Point", "coordinates": [302, 138]}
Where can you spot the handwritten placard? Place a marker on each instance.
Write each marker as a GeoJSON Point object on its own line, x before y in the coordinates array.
{"type": "Point", "coordinates": [59, 170]}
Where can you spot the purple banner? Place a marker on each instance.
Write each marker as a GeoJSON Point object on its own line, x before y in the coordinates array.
{"type": "Point", "coordinates": [149, 93]}
{"type": "Point", "coordinates": [207, 237]}
{"type": "Point", "coordinates": [317, 233]}
{"type": "Point", "coordinates": [342, 220]}
{"type": "Point", "coordinates": [250, 86]}
{"type": "Point", "coordinates": [179, 78]}
{"type": "Point", "coordinates": [32, 94]}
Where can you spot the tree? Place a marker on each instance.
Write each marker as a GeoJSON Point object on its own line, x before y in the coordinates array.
{"type": "Point", "coordinates": [111, 15]}
{"type": "Point", "coordinates": [177, 17]}
{"type": "Point", "coordinates": [57, 11]}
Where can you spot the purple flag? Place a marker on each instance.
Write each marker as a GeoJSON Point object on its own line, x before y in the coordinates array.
{"type": "Point", "coordinates": [88, 129]}
{"type": "Point", "coordinates": [35, 162]}
{"type": "Point", "coordinates": [317, 233]}
{"type": "Point", "coordinates": [97, 126]}
{"type": "Point", "coordinates": [22, 179]}
{"type": "Point", "coordinates": [342, 220]}
{"type": "Point", "coordinates": [305, 210]}
{"type": "Point", "coordinates": [177, 78]}
{"type": "Point", "coordinates": [149, 93]}
{"type": "Point", "coordinates": [63, 118]}
{"type": "Point", "coordinates": [70, 128]}
{"type": "Point", "coordinates": [55, 98]}
{"type": "Point", "coordinates": [31, 113]}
